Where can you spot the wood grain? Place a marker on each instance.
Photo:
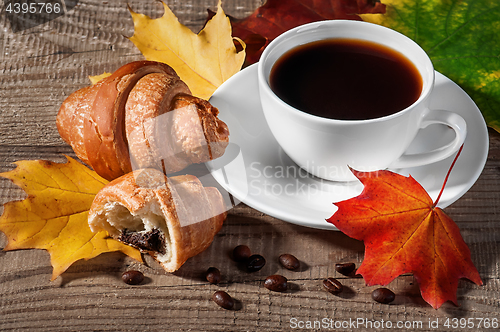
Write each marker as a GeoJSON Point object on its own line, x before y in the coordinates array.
{"type": "Point", "coordinates": [41, 66]}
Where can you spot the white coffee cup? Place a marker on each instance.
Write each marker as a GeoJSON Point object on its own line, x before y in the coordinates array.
{"type": "Point", "coordinates": [327, 147]}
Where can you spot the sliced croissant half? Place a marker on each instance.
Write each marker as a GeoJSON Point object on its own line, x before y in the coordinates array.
{"type": "Point", "coordinates": [172, 219]}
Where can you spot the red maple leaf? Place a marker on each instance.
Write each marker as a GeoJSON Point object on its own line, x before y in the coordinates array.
{"type": "Point", "coordinates": [404, 232]}
{"type": "Point", "coordinates": [277, 16]}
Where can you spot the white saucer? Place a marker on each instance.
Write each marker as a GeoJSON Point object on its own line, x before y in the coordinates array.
{"type": "Point", "coordinates": [256, 171]}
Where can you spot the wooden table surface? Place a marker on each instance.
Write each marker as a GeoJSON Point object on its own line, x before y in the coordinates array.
{"type": "Point", "coordinates": [41, 66]}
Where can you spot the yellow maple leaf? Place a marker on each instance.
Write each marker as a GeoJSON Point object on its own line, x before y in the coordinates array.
{"type": "Point", "coordinates": [381, 18]}
{"type": "Point", "coordinates": [54, 215]}
{"type": "Point", "coordinates": [203, 61]}
{"type": "Point", "coordinates": [97, 78]}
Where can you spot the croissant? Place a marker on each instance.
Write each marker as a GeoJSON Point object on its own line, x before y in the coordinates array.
{"type": "Point", "coordinates": [142, 116]}
{"type": "Point", "coordinates": [172, 219]}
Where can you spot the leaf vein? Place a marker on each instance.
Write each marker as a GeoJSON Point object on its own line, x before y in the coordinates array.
{"type": "Point", "coordinates": [7, 222]}
{"type": "Point", "coordinates": [461, 27]}
{"type": "Point", "coordinates": [179, 57]}
{"type": "Point", "coordinates": [408, 194]}
{"type": "Point", "coordinates": [403, 245]}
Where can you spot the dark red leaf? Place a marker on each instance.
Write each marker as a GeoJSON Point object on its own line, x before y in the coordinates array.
{"type": "Point", "coordinates": [278, 16]}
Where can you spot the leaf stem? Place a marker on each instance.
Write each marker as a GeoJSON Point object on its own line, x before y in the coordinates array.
{"type": "Point", "coordinates": [447, 176]}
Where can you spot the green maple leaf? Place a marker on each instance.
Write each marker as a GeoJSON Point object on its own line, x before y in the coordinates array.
{"type": "Point", "coordinates": [462, 37]}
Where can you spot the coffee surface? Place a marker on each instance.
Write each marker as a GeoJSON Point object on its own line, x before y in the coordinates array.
{"type": "Point", "coordinates": [346, 79]}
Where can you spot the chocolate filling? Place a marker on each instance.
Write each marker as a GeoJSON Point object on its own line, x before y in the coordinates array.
{"type": "Point", "coordinates": [150, 241]}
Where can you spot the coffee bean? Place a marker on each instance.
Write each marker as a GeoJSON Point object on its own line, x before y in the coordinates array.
{"type": "Point", "coordinates": [213, 275]}
{"type": "Point", "coordinates": [133, 277]}
{"type": "Point", "coordinates": [383, 295]}
{"type": "Point", "coordinates": [333, 285]}
{"type": "Point", "coordinates": [255, 263]}
{"type": "Point", "coordinates": [276, 283]}
{"type": "Point", "coordinates": [241, 253]}
{"type": "Point", "coordinates": [289, 262]}
{"type": "Point", "coordinates": [345, 268]}
{"type": "Point", "coordinates": [223, 299]}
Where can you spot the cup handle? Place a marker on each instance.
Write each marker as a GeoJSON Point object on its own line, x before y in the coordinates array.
{"type": "Point", "coordinates": [453, 120]}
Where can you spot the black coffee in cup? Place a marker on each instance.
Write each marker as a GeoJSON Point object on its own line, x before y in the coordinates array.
{"type": "Point", "coordinates": [346, 79]}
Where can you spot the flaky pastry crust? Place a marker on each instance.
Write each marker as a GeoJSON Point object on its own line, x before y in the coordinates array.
{"type": "Point", "coordinates": [142, 115]}
{"type": "Point", "coordinates": [172, 219]}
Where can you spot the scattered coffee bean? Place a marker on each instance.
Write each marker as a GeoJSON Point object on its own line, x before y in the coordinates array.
{"type": "Point", "coordinates": [223, 299]}
{"type": "Point", "coordinates": [133, 277]}
{"type": "Point", "coordinates": [333, 285]}
{"type": "Point", "coordinates": [255, 263]}
{"type": "Point", "coordinates": [345, 268]}
{"type": "Point", "coordinates": [241, 253]}
{"type": "Point", "coordinates": [383, 295]}
{"type": "Point", "coordinates": [213, 275]}
{"type": "Point", "coordinates": [289, 262]}
{"type": "Point", "coordinates": [276, 283]}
